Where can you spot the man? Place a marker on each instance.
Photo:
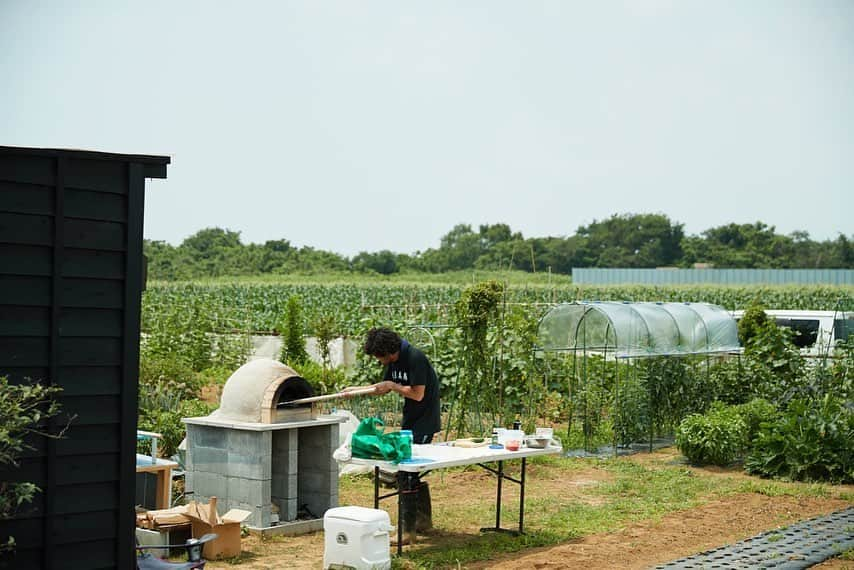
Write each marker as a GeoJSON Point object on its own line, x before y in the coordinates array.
{"type": "Point", "coordinates": [409, 373]}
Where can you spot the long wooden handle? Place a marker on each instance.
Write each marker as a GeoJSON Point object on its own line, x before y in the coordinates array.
{"type": "Point", "coordinates": [355, 392]}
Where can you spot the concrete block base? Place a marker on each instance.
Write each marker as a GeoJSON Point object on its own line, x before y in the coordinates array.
{"type": "Point", "coordinates": [293, 528]}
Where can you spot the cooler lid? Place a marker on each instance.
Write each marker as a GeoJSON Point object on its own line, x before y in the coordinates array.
{"type": "Point", "coordinates": [361, 514]}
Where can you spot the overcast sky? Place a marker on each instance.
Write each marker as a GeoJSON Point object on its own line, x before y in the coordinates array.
{"type": "Point", "coordinates": [361, 126]}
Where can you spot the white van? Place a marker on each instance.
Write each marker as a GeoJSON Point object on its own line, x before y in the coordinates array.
{"type": "Point", "coordinates": [816, 332]}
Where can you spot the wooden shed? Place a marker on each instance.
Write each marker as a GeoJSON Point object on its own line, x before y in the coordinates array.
{"type": "Point", "coordinates": [71, 278]}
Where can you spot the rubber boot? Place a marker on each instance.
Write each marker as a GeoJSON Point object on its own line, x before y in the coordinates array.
{"type": "Point", "coordinates": [407, 486]}
{"type": "Point", "coordinates": [423, 508]}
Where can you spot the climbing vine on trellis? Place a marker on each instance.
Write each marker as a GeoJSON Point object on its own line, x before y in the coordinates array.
{"type": "Point", "coordinates": [477, 308]}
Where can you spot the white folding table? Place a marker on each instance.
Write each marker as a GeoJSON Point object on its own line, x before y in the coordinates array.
{"type": "Point", "coordinates": [441, 456]}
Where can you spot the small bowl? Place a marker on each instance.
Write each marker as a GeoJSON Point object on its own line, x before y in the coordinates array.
{"type": "Point", "coordinates": [512, 444]}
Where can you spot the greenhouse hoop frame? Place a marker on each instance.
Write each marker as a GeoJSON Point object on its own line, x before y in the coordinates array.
{"type": "Point", "coordinates": [627, 331]}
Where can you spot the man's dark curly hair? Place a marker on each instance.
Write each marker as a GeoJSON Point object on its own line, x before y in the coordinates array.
{"type": "Point", "coordinates": [382, 342]}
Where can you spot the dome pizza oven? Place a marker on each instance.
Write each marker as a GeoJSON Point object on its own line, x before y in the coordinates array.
{"type": "Point", "coordinates": [265, 391]}
{"type": "Point", "coordinates": [266, 449]}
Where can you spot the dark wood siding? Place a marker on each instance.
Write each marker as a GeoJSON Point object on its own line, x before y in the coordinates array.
{"type": "Point", "coordinates": [70, 286]}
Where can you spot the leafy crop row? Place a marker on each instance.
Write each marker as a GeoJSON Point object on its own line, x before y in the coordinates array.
{"type": "Point", "coordinates": [261, 307]}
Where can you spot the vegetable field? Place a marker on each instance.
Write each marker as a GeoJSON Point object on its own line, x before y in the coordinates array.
{"type": "Point", "coordinates": [260, 307]}
{"type": "Point", "coordinates": [482, 339]}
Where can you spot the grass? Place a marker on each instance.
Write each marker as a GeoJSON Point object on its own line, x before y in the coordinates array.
{"type": "Point", "coordinates": [778, 489]}
{"type": "Point", "coordinates": [623, 492]}
{"type": "Point", "coordinates": [566, 499]}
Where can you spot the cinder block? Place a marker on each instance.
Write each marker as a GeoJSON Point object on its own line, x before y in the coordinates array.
{"type": "Point", "coordinates": [288, 509]}
{"type": "Point", "coordinates": [209, 485]}
{"type": "Point", "coordinates": [285, 441]}
{"type": "Point", "coordinates": [322, 482]}
{"type": "Point", "coordinates": [316, 438]}
{"type": "Point", "coordinates": [285, 463]}
{"type": "Point", "coordinates": [188, 459]}
{"type": "Point", "coordinates": [315, 459]}
{"type": "Point", "coordinates": [285, 487]}
{"type": "Point", "coordinates": [226, 504]}
{"type": "Point", "coordinates": [262, 514]}
{"type": "Point", "coordinates": [209, 459]}
{"type": "Point", "coordinates": [334, 435]}
{"type": "Point", "coordinates": [250, 442]}
{"type": "Point", "coordinates": [252, 491]}
{"type": "Point", "coordinates": [207, 436]}
{"type": "Point", "coordinates": [249, 466]}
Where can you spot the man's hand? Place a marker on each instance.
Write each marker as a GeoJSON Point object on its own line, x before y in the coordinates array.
{"type": "Point", "coordinates": [384, 387]}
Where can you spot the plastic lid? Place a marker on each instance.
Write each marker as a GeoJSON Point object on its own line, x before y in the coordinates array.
{"type": "Point", "coordinates": [362, 514]}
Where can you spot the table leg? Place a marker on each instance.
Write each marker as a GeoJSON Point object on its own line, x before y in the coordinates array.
{"type": "Point", "coordinates": [163, 488]}
{"type": "Point", "coordinates": [376, 487]}
{"type": "Point", "coordinates": [499, 473]}
{"type": "Point", "coordinates": [522, 497]}
{"type": "Point", "coordinates": [399, 520]}
{"type": "Point", "coordinates": [498, 497]}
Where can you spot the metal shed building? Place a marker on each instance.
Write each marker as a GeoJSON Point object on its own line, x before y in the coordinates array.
{"type": "Point", "coordinates": [71, 277]}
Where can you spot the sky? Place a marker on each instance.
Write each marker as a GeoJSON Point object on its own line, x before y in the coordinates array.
{"type": "Point", "coordinates": [363, 126]}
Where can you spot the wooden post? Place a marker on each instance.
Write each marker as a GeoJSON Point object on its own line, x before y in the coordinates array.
{"type": "Point", "coordinates": [212, 511]}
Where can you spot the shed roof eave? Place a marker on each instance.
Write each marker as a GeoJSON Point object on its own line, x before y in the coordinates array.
{"type": "Point", "coordinates": [155, 164]}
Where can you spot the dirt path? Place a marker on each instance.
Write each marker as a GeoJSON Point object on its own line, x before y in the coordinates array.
{"type": "Point", "coordinates": [676, 535]}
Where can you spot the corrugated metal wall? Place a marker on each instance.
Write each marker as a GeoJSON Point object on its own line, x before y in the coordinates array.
{"type": "Point", "coordinates": [70, 287]}
{"type": "Point", "coordinates": [607, 276]}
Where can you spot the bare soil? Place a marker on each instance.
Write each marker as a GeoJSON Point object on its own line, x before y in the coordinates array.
{"type": "Point", "coordinates": [638, 545]}
{"type": "Point", "coordinates": [679, 534]}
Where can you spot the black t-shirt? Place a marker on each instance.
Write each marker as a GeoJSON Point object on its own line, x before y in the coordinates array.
{"type": "Point", "coordinates": [414, 369]}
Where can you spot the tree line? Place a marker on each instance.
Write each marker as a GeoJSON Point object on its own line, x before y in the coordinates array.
{"type": "Point", "coordinates": [623, 240]}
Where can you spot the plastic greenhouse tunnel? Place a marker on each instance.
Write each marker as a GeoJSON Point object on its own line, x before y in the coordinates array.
{"type": "Point", "coordinates": [622, 362]}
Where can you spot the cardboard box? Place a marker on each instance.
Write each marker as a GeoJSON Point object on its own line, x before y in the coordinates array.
{"type": "Point", "coordinates": [154, 520]}
{"type": "Point", "coordinates": [205, 519]}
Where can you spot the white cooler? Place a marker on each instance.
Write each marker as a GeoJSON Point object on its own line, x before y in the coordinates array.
{"type": "Point", "coordinates": [356, 537]}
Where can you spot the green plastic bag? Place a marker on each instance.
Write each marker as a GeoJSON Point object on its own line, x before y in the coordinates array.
{"type": "Point", "coordinates": [369, 442]}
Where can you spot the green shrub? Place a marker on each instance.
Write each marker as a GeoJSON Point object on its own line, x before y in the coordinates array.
{"type": "Point", "coordinates": [23, 408]}
{"type": "Point", "coordinates": [810, 441]}
{"type": "Point", "coordinates": [323, 380]}
{"type": "Point", "coordinates": [182, 331]}
{"type": "Point", "coordinates": [167, 422]}
{"type": "Point", "coordinates": [230, 351]}
{"type": "Point", "coordinates": [730, 382]}
{"type": "Point", "coordinates": [293, 345]}
{"type": "Point", "coordinates": [217, 375]}
{"type": "Point", "coordinates": [161, 375]}
{"type": "Point", "coordinates": [752, 322]}
{"type": "Point", "coordinates": [756, 413]}
{"type": "Point", "coordinates": [716, 437]}
{"type": "Point", "coordinates": [842, 370]}
{"type": "Point", "coordinates": [632, 415]}
{"type": "Point", "coordinates": [774, 366]}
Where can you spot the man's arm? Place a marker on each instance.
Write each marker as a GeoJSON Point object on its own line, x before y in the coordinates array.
{"type": "Point", "coordinates": [412, 392]}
